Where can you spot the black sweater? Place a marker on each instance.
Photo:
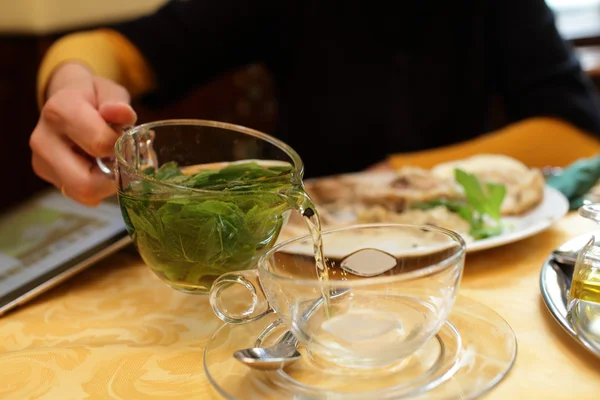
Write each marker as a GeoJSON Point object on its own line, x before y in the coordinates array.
{"type": "Point", "coordinates": [359, 79]}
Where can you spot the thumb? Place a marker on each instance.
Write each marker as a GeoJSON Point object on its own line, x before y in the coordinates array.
{"type": "Point", "coordinates": [113, 102]}
{"type": "Point", "coordinates": [118, 113]}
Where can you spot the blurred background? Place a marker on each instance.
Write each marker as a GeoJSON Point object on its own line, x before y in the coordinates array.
{"type": "Point", "coordinates": [28, 28]}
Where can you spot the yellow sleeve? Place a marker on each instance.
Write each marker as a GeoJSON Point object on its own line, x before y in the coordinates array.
{"type": "Point", "coordinates": [106, 52]}
{"type": "Point", "coordinates": [537, 142]}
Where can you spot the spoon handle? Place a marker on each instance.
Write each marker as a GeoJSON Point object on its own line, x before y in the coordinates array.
{"type": "Point", "coordinates": [565, 257]}
{"type": "Point", "coordinates": [289, 339]}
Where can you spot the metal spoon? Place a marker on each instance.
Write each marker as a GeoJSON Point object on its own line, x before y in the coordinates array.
{"type": "Point", "coordinates": [280, 355]}
{"type": "Point", "coordinates": [284, 352]}
{"type": "Point", "coordinates": [565, 257]}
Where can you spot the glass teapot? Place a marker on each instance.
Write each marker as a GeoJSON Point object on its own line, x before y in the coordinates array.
{"type": "Point", "coordinates": [203, 198]}
{"type": "Point", "coordinates": [583, 300]}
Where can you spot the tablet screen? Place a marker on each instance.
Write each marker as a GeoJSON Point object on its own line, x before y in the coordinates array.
{"type": "Point", "coordinates": [45, 235]}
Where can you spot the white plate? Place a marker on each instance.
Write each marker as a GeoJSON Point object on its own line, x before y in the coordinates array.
{"type": "Point", "coordinates": [553, 207]}
{"type": "Point", "coordinates": [393, 242]}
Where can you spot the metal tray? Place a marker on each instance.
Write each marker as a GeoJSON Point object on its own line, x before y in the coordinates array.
{"type": "Point", "coordinates": [555, 282]}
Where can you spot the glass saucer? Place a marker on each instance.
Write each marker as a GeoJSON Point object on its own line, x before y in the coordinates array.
{"type": "Point", "coordinates": [472, 352]}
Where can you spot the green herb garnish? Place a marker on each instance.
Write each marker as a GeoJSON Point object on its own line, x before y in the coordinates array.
{"type": "Point", "coordinates": [192, 238]}
{"type": "Point", "coordinates": [482, 206]}
{"type": "Point", "coordinates": [486, 199]}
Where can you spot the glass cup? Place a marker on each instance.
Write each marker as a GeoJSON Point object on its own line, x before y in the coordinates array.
{"type": "Point", "coordinates": [190, 236]}
{"type": "Point", "coordinates": [389, 289]}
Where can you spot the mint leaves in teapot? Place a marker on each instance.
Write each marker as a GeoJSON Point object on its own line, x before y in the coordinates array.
{"type": "Point", "coordinates": [190, 237]}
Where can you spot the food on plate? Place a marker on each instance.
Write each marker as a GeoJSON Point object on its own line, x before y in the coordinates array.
{"type": "Point", "coordinates": [524, 186]}
{"type": "Point", "coordinates": [333, 189]}
{"type": "Point", "coordinates": [480, 209]}
{"type": "Point", "coordinates": [409, 185]}
{"type": "Point", "coordinates": [469, 196]}
{"type": "Point", "coordinates": [437, 215]}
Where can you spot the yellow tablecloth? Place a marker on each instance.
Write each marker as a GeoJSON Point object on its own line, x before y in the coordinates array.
{"type": "Point", "coordinates": [117, 332]}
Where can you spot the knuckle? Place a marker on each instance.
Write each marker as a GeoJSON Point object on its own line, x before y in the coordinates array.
{"type": "Point", "coordinates": [115, 89]}
{"type": "Point", "coordinates": [82, 189]}
{"type": "Point", "coordinates": [38, 142]}
{"type": "Point", "coordinates": [62, 107]}
{"type": "Point", "coordinates": [100, 80]}
{"type": "Point", "coordinates": [52, 112]}
{"type": "Point", "coordinates": [35, 141]}
{"type": "Point", "coordinates": [121, 91]}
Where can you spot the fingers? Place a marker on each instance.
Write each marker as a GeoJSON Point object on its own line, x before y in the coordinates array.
{"type": "Point", "coordinates": [108, 91]}
{"type": "Point", "coordinates": [73, 130]}
{"type": "Point", "coordinates": [44, 170]}
{"type": "Point", "coordinates": [56, 161]}
{"type": "Point", "coordinates": [69, 115]}
{"type": "Point", "coordinates": [118, 113]}
{"type": "Point", "coordinates": [113, 102]}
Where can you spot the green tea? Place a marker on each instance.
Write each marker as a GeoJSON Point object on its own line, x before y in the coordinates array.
{"type": "Point", "coordinates": [192, 225]}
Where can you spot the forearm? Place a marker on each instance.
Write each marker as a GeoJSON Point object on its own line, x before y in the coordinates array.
{"type": "Point", "coordinates": [104, 53]}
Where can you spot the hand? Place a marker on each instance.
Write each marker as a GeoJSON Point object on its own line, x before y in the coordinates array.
{"type": "Point", "coordinates": [73, 129]}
